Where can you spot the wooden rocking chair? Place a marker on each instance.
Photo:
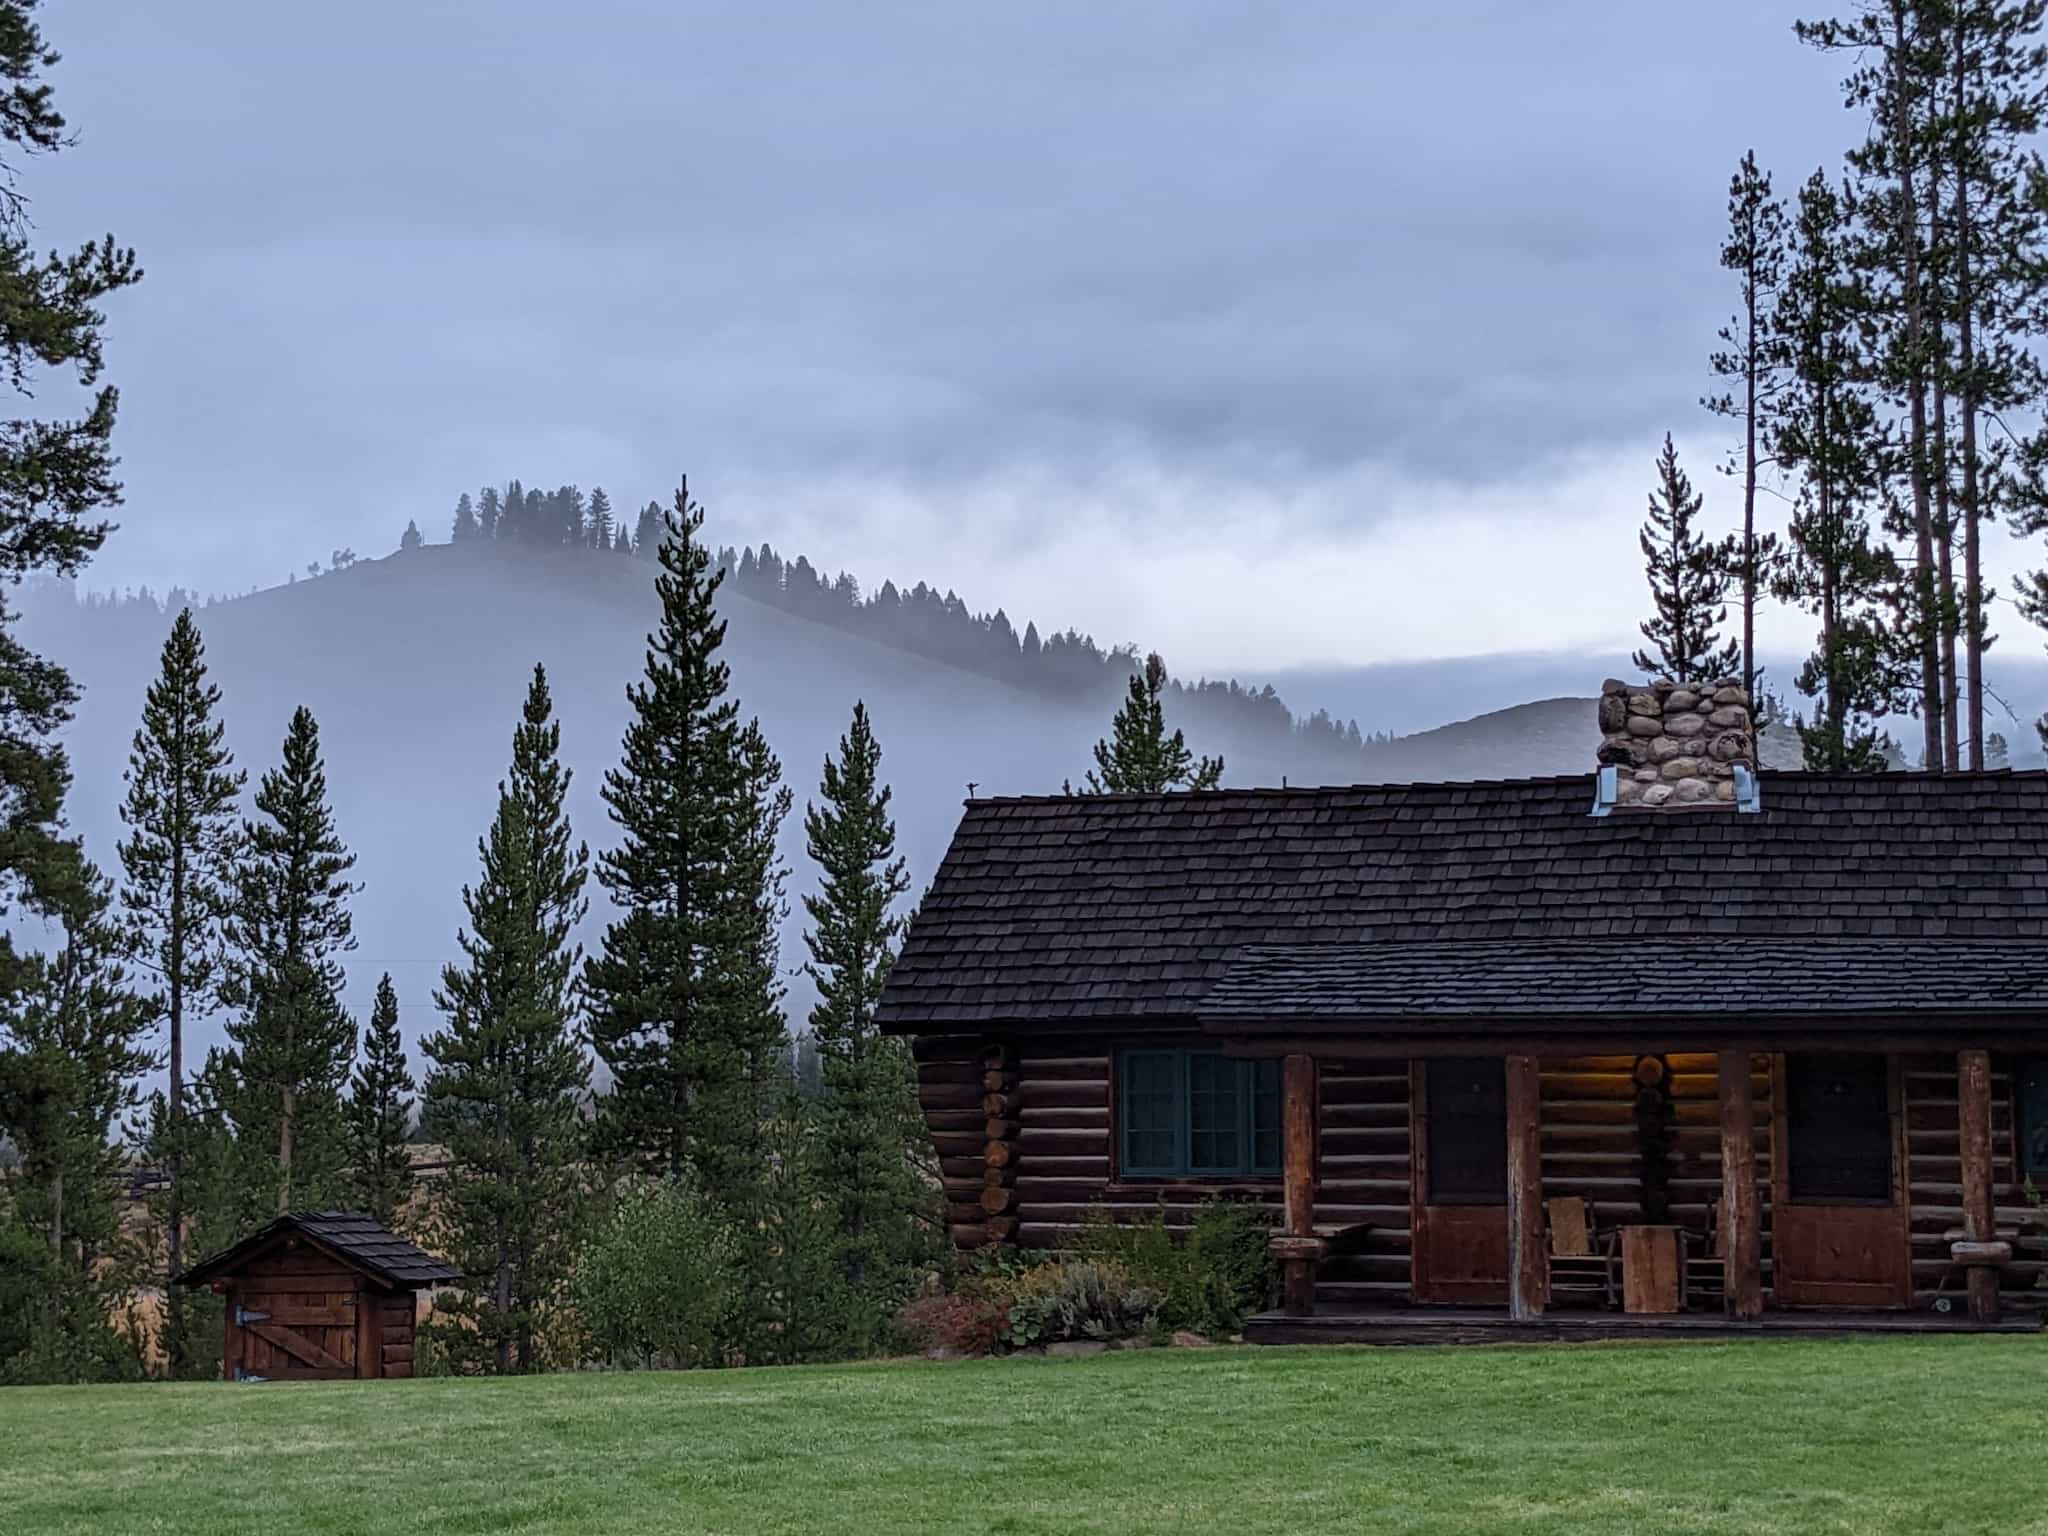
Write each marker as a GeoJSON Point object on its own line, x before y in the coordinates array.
{"type": "Point", "coordinates": [1706, 1262]}
{"type": "Point", "coordinates": [1583, 1260]}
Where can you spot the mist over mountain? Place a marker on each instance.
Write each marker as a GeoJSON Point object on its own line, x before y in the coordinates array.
{"type": "Point", "coordinates": [415, 666]}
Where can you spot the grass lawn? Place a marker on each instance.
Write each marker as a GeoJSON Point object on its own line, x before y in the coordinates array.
{"type": "Point", "coordinates": [1883, 1435]}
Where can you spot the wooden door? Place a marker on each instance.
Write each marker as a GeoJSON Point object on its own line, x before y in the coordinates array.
{"type": "Point", "coordinates": [294, 1318]}
{"type": "Point", "coordinates": [1841, 1227]}
{"type": "Point", "coordinates": [1458, 1179]}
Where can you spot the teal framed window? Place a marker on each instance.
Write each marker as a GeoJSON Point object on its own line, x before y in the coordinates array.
{"type": "Point", "coordinates": [2032, 1089]}
{"type": "Point", "coordinates": [1186, 1113]}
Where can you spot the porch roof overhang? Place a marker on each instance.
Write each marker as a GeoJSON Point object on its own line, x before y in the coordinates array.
{"type": "Point", "coordinates": [1690, 988]}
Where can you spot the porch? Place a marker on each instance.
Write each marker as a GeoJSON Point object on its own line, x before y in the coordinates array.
{"type": "Point", "coordinates": [1493, 1325]}
{"type": "Point", "coordinates": [1802, 1188]}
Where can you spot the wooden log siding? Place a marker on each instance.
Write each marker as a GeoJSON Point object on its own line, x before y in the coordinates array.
{"type": "Point", "coordinates": [1062, 1157]}
{"type": "Point", "coordinates": [949, 1072]}
{"type": "Point", "coordinates": [1934, 1162]}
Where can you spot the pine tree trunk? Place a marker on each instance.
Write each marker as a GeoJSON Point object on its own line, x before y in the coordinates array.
{"type": "Point", "coordinates": [1749, 498]}
{"type": "Point", "coordinates": [501, 1295]}
{"type": "Point", "coordinates": [1973, 575]}
{"type": "Point", "coordinates": [284, 1140]}
{"type": "Point", "coordinates": [1908, 236]}
{"type": "Point", "coordinates": [174, 1304]}
{"type": "Point", "coordinates": [1944, 517]}
{"type": "Point", "coordinates": [57, 1211]}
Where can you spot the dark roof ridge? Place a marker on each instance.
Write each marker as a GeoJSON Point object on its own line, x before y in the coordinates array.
{"type": "Point", "coordinates": [1540, 781]}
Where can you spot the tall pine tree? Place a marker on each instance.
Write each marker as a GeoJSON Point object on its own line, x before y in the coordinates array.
{"type": "Point", "coordinates": [870, 1137]}
{"type": "Point", "coordinates": [466, 526]}
{"type": "Point", "coordinates": [1688, 584]}
{"type": "Point", "coordinates": [506, 1075]}
{"type": "Point", "coordinates": [379, 1113]}
{"type": "Point", "coordinates": [598, 517]}
{"type": "Point", "coordinates": [56, 479]}
{"type": "Point", "coordinates": [684, 999]}
{"type": "Point", "coordinates": [291, 1038]}
{"type": "Point", "coordinates": [178, 859]}
{"type": "Point", "coordinates": [1752, 358]}
{"type": "Point", "coordinates": [1824, 433]}
{"type": "Point", "coordinates": [1139, 757]}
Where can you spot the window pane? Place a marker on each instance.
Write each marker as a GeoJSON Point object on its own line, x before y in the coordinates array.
{"type": "Point", "coordinates": [1838, 1128]}
{"type": "Point", "coordinates": [1215, 1107]}
{"type": "Point", "coordinates": [1466, 1099]}
{"type": "Point", "coordinates": [1150, 1111]}
{"type": "Point", "coordinates": [1265, 1117]}
{"type": "Point", "coordinates": [2033, 1090]}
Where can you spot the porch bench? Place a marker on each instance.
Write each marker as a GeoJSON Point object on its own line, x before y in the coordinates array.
{"type": "Point", "coordinates": [1319, 1242]}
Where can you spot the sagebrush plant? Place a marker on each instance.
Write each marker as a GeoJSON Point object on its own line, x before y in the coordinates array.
{"type": "Point", "coordinates": [1207, 1278]}
{"type": "Point", "coordinates": [1077, 1300]}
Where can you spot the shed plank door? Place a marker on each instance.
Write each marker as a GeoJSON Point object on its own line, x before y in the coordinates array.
{"type": "Point", "coordinates": [1458, 1194]}
{"type": "Point", "coordinates": [1841, 1233]}
{"type": "Point", "coordinates": [306, 1330]}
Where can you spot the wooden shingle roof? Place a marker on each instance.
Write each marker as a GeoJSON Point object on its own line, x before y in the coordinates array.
{"type": "Point", "coordinates": [360, 1240]}
{"type": "Point", "coordinates": [1633, 978]}
{"type": "Point", "coordinates": [1056, 910]}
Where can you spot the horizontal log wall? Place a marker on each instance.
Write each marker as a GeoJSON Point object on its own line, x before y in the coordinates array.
{"type": "Point", "coordinates": [949, 1073]}
{"type": "Point", "coordinates": [1053, 1137]}
{"type": "Point", "coordinates": [1934, 1162]}
{"type": "Point", "coordinates": [1364, 1147]}
{"type": "Point", "coordinates": [1591, 1145]}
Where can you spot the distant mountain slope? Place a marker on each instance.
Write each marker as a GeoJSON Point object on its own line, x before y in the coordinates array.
{"type": "Point", "coordinates": [415, 666]}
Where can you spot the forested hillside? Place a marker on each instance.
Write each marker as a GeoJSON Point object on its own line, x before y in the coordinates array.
{"type": "Point", "coordinates": [414, 663]}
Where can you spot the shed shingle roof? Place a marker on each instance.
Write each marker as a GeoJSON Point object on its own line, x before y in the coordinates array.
{"type": "Point", "coordinates": [360, 1239]}
{"type": "Point", "coordinates": [1058, 910]}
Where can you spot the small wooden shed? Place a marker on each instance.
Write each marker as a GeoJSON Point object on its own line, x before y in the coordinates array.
{"type": "Point", "coordinates": [319, 1296]}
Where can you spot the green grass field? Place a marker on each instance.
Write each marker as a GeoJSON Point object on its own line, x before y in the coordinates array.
{"type": "Point", "coordinates": [1895, 1436]}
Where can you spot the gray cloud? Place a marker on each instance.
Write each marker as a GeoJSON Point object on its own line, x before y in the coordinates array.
{"type": "Point", "coordinates": [399, 247]}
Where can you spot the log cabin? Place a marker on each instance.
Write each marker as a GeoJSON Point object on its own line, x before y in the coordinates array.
{"type": "Point", "coordinates": [1672, 1044]}
{"type": "Point", "coordinates": [320, 1296]}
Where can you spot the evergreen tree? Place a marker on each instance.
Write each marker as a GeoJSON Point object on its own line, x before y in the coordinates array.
{"type": "Point", "coordinates": [466, 526]}
{"type": "Point", "coordinates": [1823, 430]}
{"type": "Point", "coordinates": [1688, 582]}
{"type": "Point", "coordinates": [650, 531]}
{"type": "Point", "coordinates": [1897, 72]}
{"type": "Point", "coordinates": [1752, 356]}
{"type": "Point", "coordinates": [379, 1114]}
{"type": "Point", "coordinates": [599, 518]}
{"type": "Point", "coordinates": [1139, 757]}
{"type": "Point", "coordinates": [506, 1074]}
{"type": "Point", "coordinates": [622, 540]}
{"type": "Point", "coordinates": [291, 1039]}
{"type": "Point", "coordinates": [410, 539]}
{"type": "Point", "coordinates": [178, 858]}
{"type": "Point", "coordinates": [512, 522]}
{"type": "Point", "coordinates": [1998, 224]}
{"type": "Point", "coordinates": [56, 478]}
{"type": "Point", "coordinates": [71, 1050]}
{"type": "Point", "coordinates": [870, 1135]}
{"type": "Point", "coordinates": [683, 994]}
{"type": "Point", "coordinates": [489, 513]}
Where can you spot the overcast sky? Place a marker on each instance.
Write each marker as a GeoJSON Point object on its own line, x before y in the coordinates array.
{"type": "Point", "coordinates": [1260, 333]}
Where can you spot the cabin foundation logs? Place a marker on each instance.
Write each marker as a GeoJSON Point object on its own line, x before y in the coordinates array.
{"type": "Point", "coordinates": [999, 1105]}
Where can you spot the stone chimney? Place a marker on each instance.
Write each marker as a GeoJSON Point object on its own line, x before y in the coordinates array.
{"type": "Point", "coordinates": [1676, 745]}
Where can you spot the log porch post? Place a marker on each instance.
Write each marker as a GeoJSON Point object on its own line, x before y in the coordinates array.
{"type": "Point", "coordinates": [1528, 1265]}
{"type": "Point", "coordinates": [1301, 1249]}
{"type": "Point", "coordinates": [1741, 1226]}
{"type": "Point", "coordinates": [1973, 1095]}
